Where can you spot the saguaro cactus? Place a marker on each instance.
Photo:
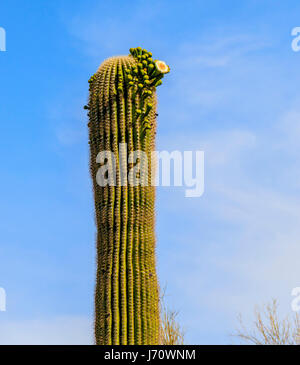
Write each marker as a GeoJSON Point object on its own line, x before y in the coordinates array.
{"type": "Point", "coordinates": [122, 119]}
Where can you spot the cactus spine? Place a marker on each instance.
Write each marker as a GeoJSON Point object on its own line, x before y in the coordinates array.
{"type": "Point", "coordinates": [122, 119]}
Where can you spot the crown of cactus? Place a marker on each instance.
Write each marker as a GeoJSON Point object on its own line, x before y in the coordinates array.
{"type": "Point", "coordinates": [122, 110]}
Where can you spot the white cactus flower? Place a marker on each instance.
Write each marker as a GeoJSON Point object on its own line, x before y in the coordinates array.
{"type": "Point", "coordinates": [162, 67]}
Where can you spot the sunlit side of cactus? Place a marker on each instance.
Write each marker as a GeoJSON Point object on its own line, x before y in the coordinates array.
{"type": "Point", "coordinates": [122, 110]}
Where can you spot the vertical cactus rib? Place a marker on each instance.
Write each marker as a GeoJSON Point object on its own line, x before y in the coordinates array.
{"type": "Point", "coordinates": [145, 249]}
{"type": "Point", "coordinates": [147, 224]}
{"type": "Point", "coordinates": [97, 143]}
{"type": "Point", "coordinates": [124, 213]}
{"type": "Point", "coordinates": [130, 223]}
{"type": "Point", "coordinates": [122, 112]}
{"type": "Point", "coordinates": [105, 239]}
{"type": "Point", "coordinates": [151, 230]}
{"type": "Point", "coordinates": [114, 121]}
{"type": "Point", "coordinates": [109, 210]}
{"type": "Point", "coordinates": [136, 230]}
{"type": "Point", "coordinates": [99, 298]}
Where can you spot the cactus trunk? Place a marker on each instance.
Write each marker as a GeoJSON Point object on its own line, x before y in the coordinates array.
{"type": "Point", "coordinates": [122, 120]}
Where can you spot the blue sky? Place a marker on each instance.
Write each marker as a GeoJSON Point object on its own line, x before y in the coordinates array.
{"type": "Point", "coordinates": [233, 92]}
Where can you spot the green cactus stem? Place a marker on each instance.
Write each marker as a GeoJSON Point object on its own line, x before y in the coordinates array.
{"type": "Point", "coordinates": [122, 112]}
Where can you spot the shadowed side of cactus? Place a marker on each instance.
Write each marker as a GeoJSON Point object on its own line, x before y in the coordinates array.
{"type": "Point", "coordinates": [122, 119]}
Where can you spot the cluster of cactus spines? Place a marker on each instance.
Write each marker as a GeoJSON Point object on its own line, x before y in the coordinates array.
{"type": "Point", "coordinates": [122, 109]}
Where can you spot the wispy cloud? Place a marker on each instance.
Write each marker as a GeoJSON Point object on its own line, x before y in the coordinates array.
{"type": "Point", "coordinates": [52, 331]}
{"type": "Point", "coordinates": [211, 51]}
{"type": "Point", "coordinates": [103, 30]}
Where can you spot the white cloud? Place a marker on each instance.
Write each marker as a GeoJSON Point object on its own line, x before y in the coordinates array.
{"type": "Point", "coordinates": [70, 134]}
{"type": "Point", "coordinates": [101, 30]}
{"type": "Point", "coordinates": [53, 331]}
{"type": "Point", "coordinates": [213, 51]}
{"type": "Point", "coordinates": [289, 126]}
